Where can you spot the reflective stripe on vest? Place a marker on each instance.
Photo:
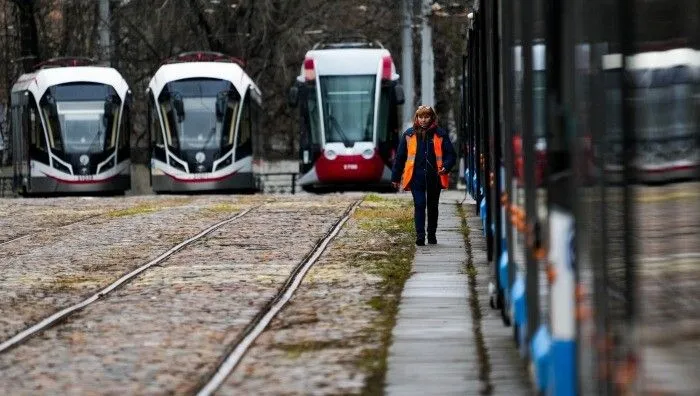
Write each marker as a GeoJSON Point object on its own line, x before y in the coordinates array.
{"type": "Point", "coordinates": [411, 148]}
{"type": "Point", "coordinates": [437, 146]}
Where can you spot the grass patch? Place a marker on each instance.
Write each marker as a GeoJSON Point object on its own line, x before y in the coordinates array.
{"type": "Point", "coordinates": [224, 208]}
{"type": "Point", "coordinates": [394, 220]}
{"type": "Point", "coordinates": [148, 207]}
{"type": "Point", "coordinates": [136, 210]}
{"type": "Point", "coordinates": [374, 198]}
{"type": "Point", "coordinates": [67, 283]}
{"type": "Point", "coordinates": [294, 351]}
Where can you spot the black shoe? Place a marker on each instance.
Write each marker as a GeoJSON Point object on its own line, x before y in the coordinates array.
{"type": "Point", "coordinates": [420, 242]}
{"type": "Point", "coordinates": [432, 240]}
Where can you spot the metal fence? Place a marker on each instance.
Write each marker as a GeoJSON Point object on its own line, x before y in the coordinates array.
{"type": "Point", "coordinates": [6, 182]}
{"type": "Point", "coordinates": [278, 182]}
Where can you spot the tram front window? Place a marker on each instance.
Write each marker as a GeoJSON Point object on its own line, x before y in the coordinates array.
{"type": "Point", "coordinates": [83, 128]}
{"type": "Point", "coordinates": [199, 128]}
{"type": "Point", "coordinates": [348, 107]}
{"type": "Point", "coordinates": [200, 113]}
{"type": "Point", "coordinates": [81, 117]}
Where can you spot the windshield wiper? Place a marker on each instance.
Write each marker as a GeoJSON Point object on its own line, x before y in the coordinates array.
{"type": "Point", "coordinates": [339, 129]}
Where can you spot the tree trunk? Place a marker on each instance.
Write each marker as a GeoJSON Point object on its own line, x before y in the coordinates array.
{"type": "Point", "coordinates": [28, 34]}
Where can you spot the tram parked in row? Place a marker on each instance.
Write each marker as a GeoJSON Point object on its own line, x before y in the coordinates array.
{"type": "Point", "coordinates": [204, 113]}
{"type": "Point", "coordinates": [348, 95]}
{"type": "Point", "coordinates": [70, 122]}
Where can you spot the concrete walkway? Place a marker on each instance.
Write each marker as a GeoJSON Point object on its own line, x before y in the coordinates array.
{"type": "Point", "coordinates": [434, 347]}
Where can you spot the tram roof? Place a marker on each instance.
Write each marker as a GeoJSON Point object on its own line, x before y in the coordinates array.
{"type": "Point", "coordinates": [223, 71]}
{"type": "Point", "coordinates": [39, 81]}
{"type": "Point", "coordinates": [349, 61]}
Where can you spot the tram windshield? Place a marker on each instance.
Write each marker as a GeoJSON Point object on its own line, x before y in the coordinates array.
{"type": "Point", "coordinates": [348, 107]}
{"type": "Point", "coordinates": [199, 113]}
{"type": "Point", "coordinates": [81, 117]}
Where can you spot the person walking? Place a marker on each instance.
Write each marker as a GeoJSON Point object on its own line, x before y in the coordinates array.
{"type": "Point", "coordinates": [422, 165]}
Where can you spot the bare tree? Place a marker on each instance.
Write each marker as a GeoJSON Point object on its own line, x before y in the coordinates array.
{"type": "Point", "coordinates": [271, 36]}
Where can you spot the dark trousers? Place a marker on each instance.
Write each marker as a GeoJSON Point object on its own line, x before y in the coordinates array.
{"type": "Point", "coordinates": [422, 200]}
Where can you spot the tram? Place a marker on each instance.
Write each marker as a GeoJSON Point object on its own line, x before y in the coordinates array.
{"type": "Point", "coordinates": [204, 112]}
{"type": "Point", "coordinates": [348, 94]}
{"type": "Point", "coordinates": [71, 124]}
{"type": "Point", "coordinates": [581, 119]}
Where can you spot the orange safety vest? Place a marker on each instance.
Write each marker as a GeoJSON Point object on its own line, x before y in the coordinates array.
{"type": "Point", "coordinates": [412, 147]}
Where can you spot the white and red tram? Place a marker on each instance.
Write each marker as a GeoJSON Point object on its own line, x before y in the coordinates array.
{"type": "Point", "coordinates": [70, 124]}
{"type": "Point", "coordinates": [204, 113]}
{"type": "Point", "coordinates": [348, 95]}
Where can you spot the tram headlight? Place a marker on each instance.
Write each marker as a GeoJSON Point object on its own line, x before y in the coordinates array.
{"type": "Point", "coordinates": [368, 154]}
{"type": "Point", "coordinates": [84, 160]}
{"type": "Point", "coordinates": [330, 154]}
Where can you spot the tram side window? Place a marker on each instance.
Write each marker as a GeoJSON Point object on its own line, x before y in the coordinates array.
{"type": "Point", "coordinates": [125, 128]}
{"type": "Point", "coordinates": [230, 122]}
{"type": "Point", "coordinates": [383, 116]}
{"type": "Point", "coordinates": [16, 115]}
{"type": "Point", "coordinates": [256, 116]}
{"type": "Point", "coordinates": [313, 116]}
{"type": "Point", "coordinates": [244, 146]}
{"type": "Point", "coordinates": [112, 117]}
{"type": "Point", "coordinates": [170, 123]}
{"type": "Point", "coordinates": [53, 126]}
{"type": "Point", "coordinates": [16, 126]}
{"type": "Point", "coordinates": [36, 131]}
{"type": "Point", "coordinates": [154, 125]}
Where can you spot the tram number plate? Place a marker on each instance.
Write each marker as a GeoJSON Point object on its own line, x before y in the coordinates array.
{"type": "Point", "coordinates": [85, 178]}
{"type": "Point", "coordinates": [350, 167]}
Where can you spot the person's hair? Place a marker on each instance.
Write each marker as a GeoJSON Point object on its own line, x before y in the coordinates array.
{"type": "Point", "coordinates": [423, 111]}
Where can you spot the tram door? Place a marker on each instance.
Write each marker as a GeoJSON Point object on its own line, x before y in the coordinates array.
{"type": "Point", "coordinates": [19, 120]}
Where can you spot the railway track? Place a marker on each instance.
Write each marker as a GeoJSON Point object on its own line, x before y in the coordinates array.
{"type": "Point", "coordinates": [49, 321]}
{"type": "Point", "coordinates": [186, 317]}
{"type": "Point", "coordinates": [238, 349]}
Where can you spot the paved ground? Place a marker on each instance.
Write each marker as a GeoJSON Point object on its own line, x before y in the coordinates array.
{"type": "Point", "coordinates": [163, 332]}
{"type": "Point", "coordinates": [446, 340]}
{"type": "Point", "coordinates": [317, 343]}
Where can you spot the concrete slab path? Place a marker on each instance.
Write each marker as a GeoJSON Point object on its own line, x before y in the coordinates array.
{"type": "Point", "coordinates": [434, 348]}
